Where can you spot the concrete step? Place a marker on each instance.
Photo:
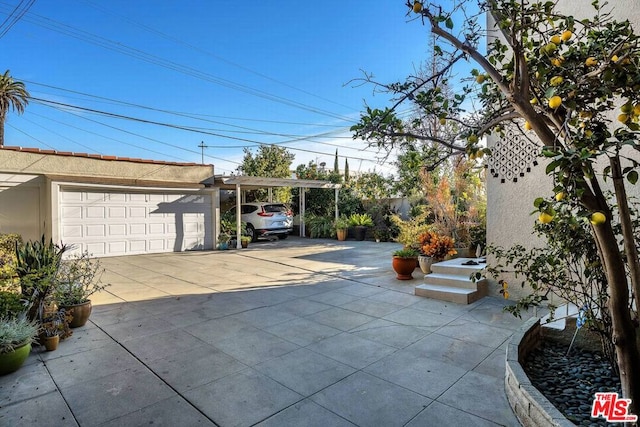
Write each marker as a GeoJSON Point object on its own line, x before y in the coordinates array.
{"type": "Point", "coordinates": [451, 294]}
{"type": "Point", "coordinates": [452, 280]}
{"type": "Point", "coordinates": [456, 266]}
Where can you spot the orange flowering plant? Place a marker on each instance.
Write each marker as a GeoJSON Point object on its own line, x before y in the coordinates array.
{"type": "Point", "coordinates": [436, 246]}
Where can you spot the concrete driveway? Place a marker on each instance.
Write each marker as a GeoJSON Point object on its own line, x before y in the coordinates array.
{"type": "Point", "coordinates": [289, 333]}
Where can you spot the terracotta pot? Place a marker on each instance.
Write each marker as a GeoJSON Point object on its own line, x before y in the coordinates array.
{"type": "Point", "coordinates": [51, 343]}
{"type": "Point", "coordinates": [341, 233]}
{"type": "Point", "coordinates": [244, 243]}
{"type": "Point", "coordinates": [80, 313]}
{"type": "Point", "coordinates": [13, 360]}
{"type": "Point", "coordinates": [404, 267]}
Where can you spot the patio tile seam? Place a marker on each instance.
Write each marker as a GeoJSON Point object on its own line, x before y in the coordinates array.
{"type": "Point", "coordinates": [145, 367]}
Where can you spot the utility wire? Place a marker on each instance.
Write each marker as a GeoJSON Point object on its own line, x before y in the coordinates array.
{"type": "Point", "coordinates": [64, 107]}
{"type": "Point", "coordinates": [165, 63]}
{"type": "Point", "coordinates": [18, 12]}
{"type": "Point", "coordinates": [206, 52]}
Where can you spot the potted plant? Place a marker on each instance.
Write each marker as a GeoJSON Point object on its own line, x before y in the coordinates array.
{"type": "Point", "coordinates": [434, 248]}
{"type": "Point", "coordinates": [361, 222]}
{"type": "Point", "coordinates": [404, 262]}
{"type": "Point", "coordinates": [37, 263]}
{"type": "Point", "coordinates": [223, 241]}
{"type": "Point", "coordinates": [244, 241]}
{"type": "Point", "coordinates": [78, 278]}
{"type": "Point", "coordinates": [54, 327]}
{"type": "Point", "coordinates": [342, 227]}
{"type": "Point", "coordinates": [16, 336]}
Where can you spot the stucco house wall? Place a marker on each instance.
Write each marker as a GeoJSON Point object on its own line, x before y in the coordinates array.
{"type": "Point", "coordinates": [105, 204]}
{"type": "Point", "coordinates": [509, 204]}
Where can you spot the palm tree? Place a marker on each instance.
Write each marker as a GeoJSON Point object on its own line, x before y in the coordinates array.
{"type": "Point", "coordinates": [12, 94]}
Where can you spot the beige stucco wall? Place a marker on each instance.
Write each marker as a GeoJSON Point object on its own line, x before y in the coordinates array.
{"type": "Point", "coordinates": [74, 166]}
{"type": "Point", "coordinates": [509, 205]}
{"type": "Point", "coordinates": [30, 181]}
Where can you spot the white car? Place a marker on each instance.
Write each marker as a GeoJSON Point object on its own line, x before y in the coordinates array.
{"type": "Point", "coordinates": [265, 219]}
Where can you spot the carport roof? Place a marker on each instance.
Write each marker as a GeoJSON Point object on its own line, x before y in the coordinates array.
{"type": "Point", "coordinates": [252, 182]}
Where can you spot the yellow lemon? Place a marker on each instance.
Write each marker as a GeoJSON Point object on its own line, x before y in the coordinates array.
{"type": "Point", "coordinates": [591, 62]}
{"type": "Point", "coordinates": [555, 102]}
{"type": "Point", "coordinates": [636, 109]}
{"type": "Point", "coordinates": [417, 7]}
{"type": "Point", "coordinates": [556, 39]}
{"type": "Point", "coordinates": [545, 218]}
{"type": "Point", "coordinates": [598, 218]}
{"type": "Point", "coordinates": [627, 108]}
{"type": "Point", "coordinates": [556, 80]}
{"type": "Point", "coordinates": [533, 101]}
{"type": "Point", "coordinates": [550, 48]}
{"type": "Point", "coordinates": [472, 138]}
{"type": "Point", "coordinates": [527, 126]}
{"type": "Point", "coordinates": [560, 196]}
{"type": "Point", "coordinates": [623, 118]}
{"type": "Point", "coordinates": [480, 78]}
{"type": "Point", "coordinates": [557, 62]}
{"type": "Point", "coordinates": [614, 58]}
{"type": "Point", "coordinates": [443, 121]}
{"type": "Point", "coordinates": [566, 35]}
{"type": "Point", "coordinates": [588, 133]}
{"type": "Point", "coordinates": [505, 294]}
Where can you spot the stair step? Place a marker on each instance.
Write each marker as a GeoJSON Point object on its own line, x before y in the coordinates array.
{"type": "Point", "coordinates": [453, 280]}
{"type": "Point", "coordinates": [451, 294]}
{"type": "Point", "coordinates": [456, 266]}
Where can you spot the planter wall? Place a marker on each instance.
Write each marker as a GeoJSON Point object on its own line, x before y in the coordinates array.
{"type": "Point", "coordinates": [528, 403]}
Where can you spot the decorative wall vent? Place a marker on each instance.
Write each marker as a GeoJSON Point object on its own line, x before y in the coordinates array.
{"type": "Point", "coordinates": [512, 155]}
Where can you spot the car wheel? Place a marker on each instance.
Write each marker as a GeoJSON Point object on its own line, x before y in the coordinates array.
{"type": "Point", "coordinates": [251, 232]}
{"type": "Point", "coordinates": [282, 236]}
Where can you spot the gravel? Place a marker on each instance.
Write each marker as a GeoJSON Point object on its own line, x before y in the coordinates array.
{"type": "Point", "coordinates": [571, 382]}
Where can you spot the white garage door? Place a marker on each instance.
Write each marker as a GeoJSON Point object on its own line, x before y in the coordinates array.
{"type": "Point", "coordinates": [110, 223]}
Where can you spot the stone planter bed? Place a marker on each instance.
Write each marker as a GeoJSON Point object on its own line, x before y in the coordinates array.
{"type": "Point", "coordinates": [546, 388]}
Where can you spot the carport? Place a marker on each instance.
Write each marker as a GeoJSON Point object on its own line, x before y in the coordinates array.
{"type": "Point", "coordinates": [242, 182]}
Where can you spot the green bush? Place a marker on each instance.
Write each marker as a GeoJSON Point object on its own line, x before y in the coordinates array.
{"type": "Point", "coordinates": [319, 226]}
{"type": "Point", "coordinates": [360, 220]}
{"type": "Point", "coordinates": [8, 242]}
{"type": "Point", "coordinates": [11, 304]}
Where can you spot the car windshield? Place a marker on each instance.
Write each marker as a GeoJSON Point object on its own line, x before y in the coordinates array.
{"type": "Point", "coordinates": [275, 208]}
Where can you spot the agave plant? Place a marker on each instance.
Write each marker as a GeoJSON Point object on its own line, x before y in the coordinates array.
{"type": "Point", "coordinates": [37, 263]}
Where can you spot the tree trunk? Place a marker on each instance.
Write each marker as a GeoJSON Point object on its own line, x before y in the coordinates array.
{"type": "Point", "coordinates": [627, 227]}
{"type": "Point", "coordinates": [2, 117]}
{"type": "Point", "coordinates": [624, 336]}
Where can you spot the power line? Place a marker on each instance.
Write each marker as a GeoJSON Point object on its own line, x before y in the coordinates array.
{"type": "Point", "coordinates": [165, 63]}
{"type": "Point", "coordinates": [17, 14]}
{"type": "Point", "coordinates": [64, 106]}
{"type": "Point", "coordinates": [206, 52]}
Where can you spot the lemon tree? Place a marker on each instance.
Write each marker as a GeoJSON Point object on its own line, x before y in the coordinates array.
{"type": "Point", "coordinates": [567, 78]}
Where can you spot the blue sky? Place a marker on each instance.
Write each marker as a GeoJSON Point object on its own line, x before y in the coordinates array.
{"type": "Point", "coordinates": [242, 72]}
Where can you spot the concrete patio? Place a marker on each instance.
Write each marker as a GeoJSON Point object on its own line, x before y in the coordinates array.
{"type": "Point", "coordinates": [288, 333]}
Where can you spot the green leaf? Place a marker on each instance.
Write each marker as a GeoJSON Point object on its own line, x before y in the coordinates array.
{"type": "Point", "coordinates": [449, 23]}
{"type": "Point", "coordinates": [632, 177]}
{"type": "Point", "coordinates": [552, 166]}
{"type": "Point", "coordinates": [537, 202]}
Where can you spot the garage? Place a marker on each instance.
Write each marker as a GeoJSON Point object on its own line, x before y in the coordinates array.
{"type": "Point", "coordinates": [113, 222]}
